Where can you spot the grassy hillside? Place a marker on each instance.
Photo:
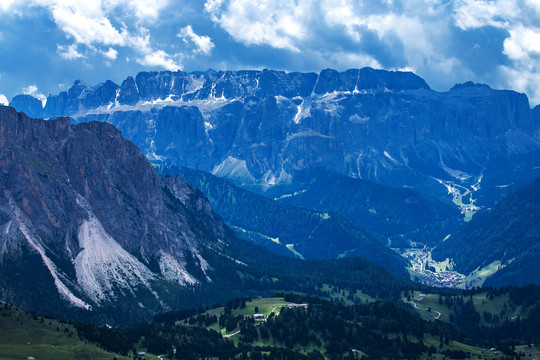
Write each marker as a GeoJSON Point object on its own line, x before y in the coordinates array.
{"type": "Point", "coordinates": [330, 338]}
{"type": "Point", "coordinates": [289, 326]}
{"type": "Point", "coordinates": [24, 334]}
{"type": "Point", "coordinates": [501, 315]}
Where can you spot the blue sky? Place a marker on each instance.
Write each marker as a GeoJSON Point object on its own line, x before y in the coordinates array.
{"type": "Point", "coordinates": [45, 45]}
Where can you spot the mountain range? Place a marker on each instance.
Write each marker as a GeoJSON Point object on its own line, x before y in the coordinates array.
{"type": "Point", "coordinates": [259, 128]}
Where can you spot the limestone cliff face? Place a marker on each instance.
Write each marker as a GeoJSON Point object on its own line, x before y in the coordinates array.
{"type": "Point", "coordinates": [259, 127]}
{"type": "Point", "coordinates": [86, 218]}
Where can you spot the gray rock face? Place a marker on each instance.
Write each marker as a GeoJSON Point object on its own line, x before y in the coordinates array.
{"type": "Point", "coordinates": [260, 127]}
{"type": "Point", "coordinates": [84, 215]}
{"type": "Point", "coordinates": [28, 105]}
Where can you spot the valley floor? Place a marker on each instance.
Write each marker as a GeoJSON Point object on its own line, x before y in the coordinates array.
{"type": "Point", "coordinates": [427, 271]}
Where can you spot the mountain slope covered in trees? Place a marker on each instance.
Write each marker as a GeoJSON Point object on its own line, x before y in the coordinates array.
{"type": "Point", "coordinates": [276, 225]}
{"type": "Point", "coordinates": [508, 235]}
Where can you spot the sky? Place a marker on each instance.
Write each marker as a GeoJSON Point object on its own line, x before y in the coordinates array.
{"type": "Point", "coordinates": [45, 45]}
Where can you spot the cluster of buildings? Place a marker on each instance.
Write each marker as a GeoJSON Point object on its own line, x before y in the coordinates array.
{"type": "Point", "coordinates": [450, 279]}
{"type": "Point", "coordinates": [422, 265]}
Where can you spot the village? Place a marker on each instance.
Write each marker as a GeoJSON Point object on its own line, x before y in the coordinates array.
{"type": "Point", "coordinates": [428, 272]}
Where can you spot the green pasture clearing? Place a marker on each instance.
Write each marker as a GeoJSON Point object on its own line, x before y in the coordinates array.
{"type": "Point", "coordinates": [23, 335]}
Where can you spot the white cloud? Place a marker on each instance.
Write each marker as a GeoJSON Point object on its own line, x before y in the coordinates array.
{"type": "Point", "coordinates": [150, 56]}
{"type": "Point", "coordinates": [3, 100]}
{"type": "Point", "coordinates": [97, 26]}
{"type": "Point", "coordinates": [417, 27]}
{"type": "Point", "coordinates": [279, 24]}
{"type": "Point", "coordinates": [110, 54]}
{"type": "Point", "coordinates": [524, 80]}
{"type": "Point", "coordinates": [523, 43]}
{"type": "Point", "coordinates": [429, 36]}
{"type": "Point", "coordinates": [534, 4]}
{"type": "Point", "coordinates": [161, 59]}
{"type": "Point", "coordinates": [33, 90]}
{"type": "Point", "coordinates": [69, 52]}
{"type": "Point", "coordinates": [146, 9]}
{"type": "Point", "coordinates": [354, 60]}
{"type": "Point", "coordinates": [521, 19]}
{"type": "Point", "coordinates": [203, 43]}
{"type": "Point", "coordinates": [87, 30]}
{"type": "Point", "coordinates": [480, 13]}
{"type": "Point", "coordinates": [6, 5]}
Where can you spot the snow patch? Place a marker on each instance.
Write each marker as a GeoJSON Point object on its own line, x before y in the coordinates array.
{"type": "Point", "coordinates": [356, 119]}
{"type": "Point", "coordinates": [206, 106]}
{"type": "Point", "coordinates": [389, 157]}
{"type": "Point", "coordinates": [195, 85]}
{"type": "Point", "coordinates": [307, 133]}
{"type": "Point", "coordinates": [269, 179]}
{"type": "Point", "coordinates": [302, 111]}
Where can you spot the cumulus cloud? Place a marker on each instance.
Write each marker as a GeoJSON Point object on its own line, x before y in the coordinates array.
{"type": "Point", "coordinates": [33, 91]}
{"type": "Point", "coordinates": [521, 20]}
{"type": "Point", "coordinates": [110, 54]}
{"type": "Point", "coordinates": [523, 43]}
{"type": "Point", "coordinates": [97, 27]}
{"type": "Point", "coordinates": [69, 52]}
{"type": "Point", "coordinates": [87, 30]}
{"type": "Point", "coordinates": [280, 24]}
{"type": "Point", "coordinates": [368, 33]}
{"type": "Point", "coordinates": [161, 59]}
{"type": "Point", "coordinates": [6, 5]}
{"type": "Point", "coordinates": [480, 13]}
{"type": "Point", "coordinates": [150, 56]}
{"type": "Point", "coordinates": [203, 43]}
{"type": "Point", "coordinates": [3, 100]}
{"type": "Point", "coordinates": [523, 47]}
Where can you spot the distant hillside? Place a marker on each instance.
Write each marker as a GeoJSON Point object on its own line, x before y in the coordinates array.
{"type": "Point", "coordinates": [401, 215]}
{"type": "Point", "coordinates": [509, 233]}
{"type": "Point", "coordinates": [277, 226]}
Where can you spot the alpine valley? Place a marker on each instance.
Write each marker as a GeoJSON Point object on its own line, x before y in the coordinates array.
{"type": "Point", "coordinates": [324, 195]}
{"type": "Point", "coordinates": [380, 149]}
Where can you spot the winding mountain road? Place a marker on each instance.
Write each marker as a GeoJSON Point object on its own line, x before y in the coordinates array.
{"type": "Point", "coordinates": [435, 317]}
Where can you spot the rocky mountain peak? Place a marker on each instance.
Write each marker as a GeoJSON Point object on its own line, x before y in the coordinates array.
{"type": "Point", "coordinates": [83, 206]}
{"type": "Point", "coordinates": [257, 127]}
